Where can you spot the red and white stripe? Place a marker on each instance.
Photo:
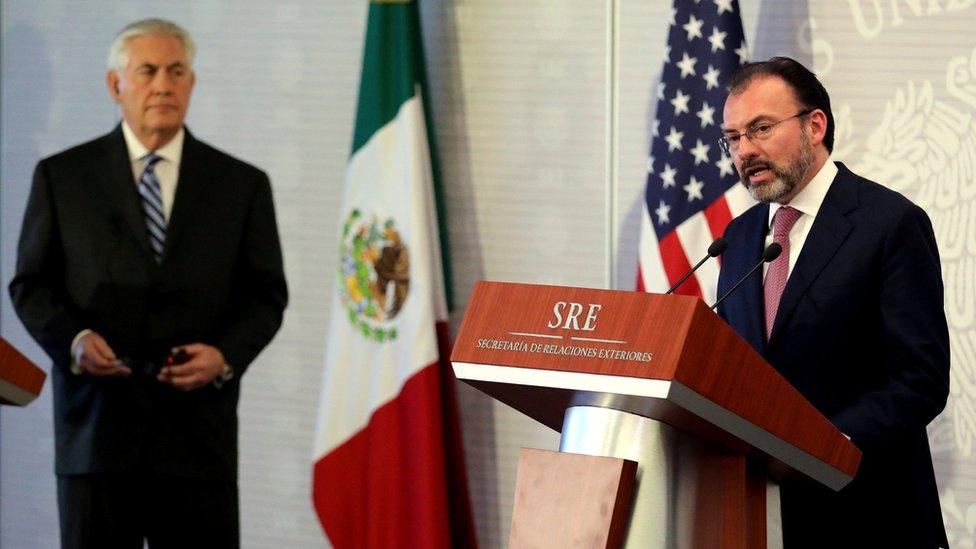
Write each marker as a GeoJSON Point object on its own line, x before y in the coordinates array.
{"type": "Point", "coordinates": [662, 263]}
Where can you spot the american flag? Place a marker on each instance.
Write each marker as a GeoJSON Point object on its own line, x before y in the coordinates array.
{"type": "Point", "coordinates": [692, 189]}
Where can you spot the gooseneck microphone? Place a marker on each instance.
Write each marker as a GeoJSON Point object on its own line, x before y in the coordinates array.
{"type": "Point", "coordinates": [714, 250]}
{"type": "Point", "coordinates": [770, 253]}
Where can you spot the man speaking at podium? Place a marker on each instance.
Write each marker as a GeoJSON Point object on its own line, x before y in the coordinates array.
{"type": "Point", "coordinates": [850, 313]}
{"type": "Point", "coordinates": [149, 269]}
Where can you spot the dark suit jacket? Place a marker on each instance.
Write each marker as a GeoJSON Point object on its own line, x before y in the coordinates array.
{"type": "Point", "coordinates": [861, 333]}
{"type": "Point", "coordinates": [84, 261]}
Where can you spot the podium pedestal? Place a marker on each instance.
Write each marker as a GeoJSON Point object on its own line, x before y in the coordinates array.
{"type": "Point", "coordinates": [677, 476]}
{"type": "Point", "coordinates": [571, 500]}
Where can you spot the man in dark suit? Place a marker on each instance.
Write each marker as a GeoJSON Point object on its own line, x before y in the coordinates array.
{"type": "Point", "coordinates": [149, 269]}
{"type": "Point", "coordinates": [851, 313]}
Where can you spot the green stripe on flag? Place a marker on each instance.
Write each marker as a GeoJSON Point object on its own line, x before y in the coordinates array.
{"type": "Point", "coordinates": [439, 202]}
{"type": "Point", "coordinates": [435, 167]}
{"type": "Point", "coordinates": [390, 69]}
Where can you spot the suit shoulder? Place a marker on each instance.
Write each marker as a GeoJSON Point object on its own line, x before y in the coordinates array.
{"type": "Point", "coordinates": [227, 162]}
{"type": "Point", "coordinates": [883, 201]}
{"type": "Point", "coordinates": [82, 152]}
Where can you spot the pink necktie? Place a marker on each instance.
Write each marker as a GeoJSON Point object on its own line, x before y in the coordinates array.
{"type": "Point", "coordinates": [779, 269]}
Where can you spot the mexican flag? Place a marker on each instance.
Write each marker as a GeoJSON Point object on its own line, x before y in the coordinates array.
{"type": "Point", "coordinates": [389, 468]}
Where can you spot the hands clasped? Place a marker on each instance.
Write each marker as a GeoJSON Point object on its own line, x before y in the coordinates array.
{"type": "Point", "coordinates": [204, 363]}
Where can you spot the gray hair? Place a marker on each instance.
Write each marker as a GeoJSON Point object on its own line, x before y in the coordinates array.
{"type": "Point", "coordinates": [118, 53]}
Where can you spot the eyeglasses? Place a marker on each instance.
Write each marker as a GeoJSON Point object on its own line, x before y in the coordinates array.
{"type": "Point", "coordinates": [759, 132]}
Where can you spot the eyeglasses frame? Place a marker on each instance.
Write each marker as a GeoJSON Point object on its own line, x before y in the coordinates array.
{"type": "Point", "coordinates": [726, 144]}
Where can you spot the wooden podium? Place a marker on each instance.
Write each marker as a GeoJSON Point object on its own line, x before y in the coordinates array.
{"type": "Point", "coordinates": [660, 380]}
{"type": "Point", "coordinates": [20, 380]}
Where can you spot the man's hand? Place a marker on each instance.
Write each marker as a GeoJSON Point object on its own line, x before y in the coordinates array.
{"type": "Point", "coordinates": [93, 355]}
{"type": "Point", "coordinates": [204, 365]}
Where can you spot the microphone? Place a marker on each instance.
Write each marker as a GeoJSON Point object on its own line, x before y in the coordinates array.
{"type": "Point", "coordinates": [714, 250]}
{"type": "Point", "coordinates": [770, 253]}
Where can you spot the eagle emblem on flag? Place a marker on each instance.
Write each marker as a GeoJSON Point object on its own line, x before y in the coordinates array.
{"type": "Point", "coordinates": [374, 274]}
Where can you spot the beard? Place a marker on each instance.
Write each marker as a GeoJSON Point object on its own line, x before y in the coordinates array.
{"type": "Point", "coordinates": [784, 180]}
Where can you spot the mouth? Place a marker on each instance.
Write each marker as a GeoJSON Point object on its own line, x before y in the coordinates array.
{"type": "Point", "coordinates": [757, 172]}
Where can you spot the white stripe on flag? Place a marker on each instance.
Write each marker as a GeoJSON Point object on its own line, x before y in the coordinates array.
{"type": "Point", "coordinates": [739, 200]}
{"type": "Point", "coordinates": [695, 237]}
{"type": "Point", "coordinates": [391, 176]}
{"type": "Point", "coordinates": [649, 255]}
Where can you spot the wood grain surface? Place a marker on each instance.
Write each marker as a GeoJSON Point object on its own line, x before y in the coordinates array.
{"type": "Point", "coordinates": [688, 343]}
{"type": "Point", "coordinates": [19, 371]}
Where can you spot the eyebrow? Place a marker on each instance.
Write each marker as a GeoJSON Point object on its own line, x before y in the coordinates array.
{"type": "Point", "coordinates": [755, 120]}
{"type": "Point", "coordinates": [173, 65]}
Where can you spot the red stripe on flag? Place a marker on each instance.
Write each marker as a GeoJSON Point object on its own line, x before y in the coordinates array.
{"type": "Point", "coordinates": [718, 215]}
{"type": "Point", "coordinates": [640, 279]}
{"type": "Point", "coordinates": [402, 478]}
{"type": "Point", "coordinates": [675, 263]}
{"type": "Point", "coordinates": [385, 485]}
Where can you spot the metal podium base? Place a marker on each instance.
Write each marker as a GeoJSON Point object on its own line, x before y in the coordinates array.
{"type": "Point", "coordinates": [669, 473]}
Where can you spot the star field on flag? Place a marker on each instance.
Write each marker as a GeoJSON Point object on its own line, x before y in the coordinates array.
{"type": "Point", "coordinates": [692, 189]}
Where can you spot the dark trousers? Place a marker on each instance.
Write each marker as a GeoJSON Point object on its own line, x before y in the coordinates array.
{"type": "Point", "coordinates": [121, 510]}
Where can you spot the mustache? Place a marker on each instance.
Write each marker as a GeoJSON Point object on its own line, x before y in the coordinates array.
{"type": "Point", "coordinates": [754, 163]}
{"type": "Point", "coordinates": [750, 165]}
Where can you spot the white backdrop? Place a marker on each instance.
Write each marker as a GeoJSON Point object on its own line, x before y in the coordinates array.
{"type": "Point", "coordinates": [541, 184]}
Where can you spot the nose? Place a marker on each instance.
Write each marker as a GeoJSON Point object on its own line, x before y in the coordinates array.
{"type": "Point", "coordinates": [162, 83]}
{"type": "Point", "coordinates": [747, 149]}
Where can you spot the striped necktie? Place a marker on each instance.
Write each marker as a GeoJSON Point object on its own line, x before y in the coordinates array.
{"type": "Point", "coordinates": [779, 269]}
{"type": "Point", "coordinates": [152, 205]}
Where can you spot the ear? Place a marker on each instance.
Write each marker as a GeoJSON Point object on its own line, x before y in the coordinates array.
{"type": "Point", "coordinates": [818, 127]}
{"type": "Point", "coordinates": [114, 85]}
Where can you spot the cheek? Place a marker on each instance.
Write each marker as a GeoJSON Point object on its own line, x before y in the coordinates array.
{"type": "Point", "coordinates": [780, 152]}
{"type": "Point", "coordinates": [131, 100]}
{"type": "Point", "coordinates": [135, 96]}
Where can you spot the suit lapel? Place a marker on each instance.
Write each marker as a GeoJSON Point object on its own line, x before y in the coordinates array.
{"type": "Point", "coordinates": [752, 288]}
{"type": "Point", "coordinates": [188, 188]}
{"type": "Point", "coordinates": [121, 188]}
{"type": "Point", "coordinates": [829, 230]}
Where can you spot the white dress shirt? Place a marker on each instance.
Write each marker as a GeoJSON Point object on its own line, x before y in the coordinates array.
{"type": "Point", "coordinates": [167, 170]}
{"type": "Point", "coordinates": [808, 202]}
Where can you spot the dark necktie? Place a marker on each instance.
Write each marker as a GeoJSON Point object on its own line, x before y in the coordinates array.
{"type": "Point", "coordinates": [779, 269]}
{"type": "Point", "coordinates": [152, 205]}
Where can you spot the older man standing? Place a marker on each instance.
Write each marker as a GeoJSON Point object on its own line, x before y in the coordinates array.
{"type": "Point", "coordinates": [149, 269]}
{"type": "Point", "coordinates": [851, 313]}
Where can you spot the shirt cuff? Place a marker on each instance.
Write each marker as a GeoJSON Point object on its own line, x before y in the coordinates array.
{"type": "Point", "coordinates": [226, 374]}
{"type": "Point", "coordinates": [75, 367]}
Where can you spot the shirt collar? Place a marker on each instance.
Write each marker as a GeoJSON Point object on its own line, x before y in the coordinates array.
{"type": "Point", "coordinates": [172, 151]}
{"type": "Point", "coordinates": [809, 199]}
